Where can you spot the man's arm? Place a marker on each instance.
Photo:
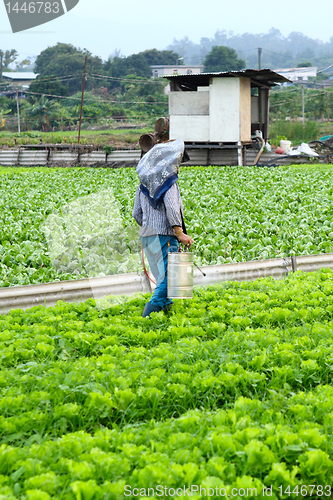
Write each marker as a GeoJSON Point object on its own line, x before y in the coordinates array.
{"type": "Point", "coordinates": [172, 202]}
{"type": "Point", "coordinates": [183, 238]}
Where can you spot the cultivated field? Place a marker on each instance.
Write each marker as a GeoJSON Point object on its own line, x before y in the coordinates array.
{"type": "Point", "coordinates": [231, 391]}
{"type": "Point", "coordinates": [228, 395]}
{"type": "Point", "coordinates": [59, 224]}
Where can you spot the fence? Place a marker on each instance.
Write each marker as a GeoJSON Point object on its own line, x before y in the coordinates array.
{"type": "Point", "coordinates": [75, 157]}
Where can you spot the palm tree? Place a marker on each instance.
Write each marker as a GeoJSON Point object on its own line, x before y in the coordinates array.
{"type": "Point", "coordinates": [43, 110]}
{"type": "Point", "coordinates": [64, 118]}
{"type": "Point", "coordinates": [3, 112]}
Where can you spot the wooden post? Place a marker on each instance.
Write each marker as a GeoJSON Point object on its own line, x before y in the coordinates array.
{"type": "Point", "coordinates": [260, 107]}
{"type": "Point", "coordinates": [266, 115]}
{"type": "Point", "coordinates": [83, 84]}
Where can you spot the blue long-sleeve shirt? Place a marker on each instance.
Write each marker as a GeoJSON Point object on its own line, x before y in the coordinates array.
{"type": "Point", "coordinates": [158, 220]}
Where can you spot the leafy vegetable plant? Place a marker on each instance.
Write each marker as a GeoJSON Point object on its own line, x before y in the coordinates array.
{"type": "Point", "coordinates": [231, 389]}
{"type": "Point", "coordinates": [74, 223]}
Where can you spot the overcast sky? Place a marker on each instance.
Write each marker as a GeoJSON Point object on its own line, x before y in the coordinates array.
{"type": "Point", "coordinates": [101, 26]}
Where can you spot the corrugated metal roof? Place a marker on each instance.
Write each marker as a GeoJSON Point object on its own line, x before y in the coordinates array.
{"type": "Point", "coordinates": [19, 75]}
{"type": "Point", "coordinates": [305, 69]}
{"type": "Point", "coordinates": [175, 66]}
{"type": "Point", "coordinates": [266, 77]}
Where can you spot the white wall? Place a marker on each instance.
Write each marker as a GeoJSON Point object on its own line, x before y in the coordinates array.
{"type": "Point", "coordinates": [224, 109]}
{"type": "Point", "coordinates": [189, 103]}
{"type": "Point", "coordinates": [189, 129]}
{"type": "Point", "coordinates": [218, 113]}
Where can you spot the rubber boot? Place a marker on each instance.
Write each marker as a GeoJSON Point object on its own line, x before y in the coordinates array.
{"type": "Point", "coordinates": [149, 308]}
{"type": "Point", "coordinates": [167, 308]}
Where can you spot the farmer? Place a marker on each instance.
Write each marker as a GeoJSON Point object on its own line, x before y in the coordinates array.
{"type": "Point", "coordinates": [158, 209]}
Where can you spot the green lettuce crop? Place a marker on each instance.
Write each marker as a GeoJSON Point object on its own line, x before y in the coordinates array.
{"type": "Point", "coordinates": [75, 223]}
{"type": "Point", "coordinates": [230, 389]}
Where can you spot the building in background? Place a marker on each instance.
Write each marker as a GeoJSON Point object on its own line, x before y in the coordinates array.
{"type": "Point", "coordinates": [18, 83]}
{"type": "Point", "coordinates": [159, 70]}
{"type": "Point", "coordinates": [170, 69]}
{"type": "Point", "coordinates": [298, 75]}
{"type": "Point", "coordinates": [20, 78]}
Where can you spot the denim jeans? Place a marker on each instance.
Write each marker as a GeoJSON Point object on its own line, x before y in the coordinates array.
{"type": "Point", "coordinates": [156, 249]}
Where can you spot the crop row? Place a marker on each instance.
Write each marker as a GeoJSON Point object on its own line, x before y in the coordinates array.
{"type": "Point", "coordinates": [66, 224]}
{"type": "Point", "coordinates": [231, 389]}
{"type": "Point", "coordinates": [254, 444]}
{"type": "Point", "coordinates": [73, 367]}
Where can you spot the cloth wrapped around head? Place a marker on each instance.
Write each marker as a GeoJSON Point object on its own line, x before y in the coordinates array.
{"type": "Point", "coordinates": [158, 170]}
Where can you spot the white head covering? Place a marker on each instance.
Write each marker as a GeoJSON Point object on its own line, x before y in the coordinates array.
{"type": "Point", "coordinates": [158, 169]}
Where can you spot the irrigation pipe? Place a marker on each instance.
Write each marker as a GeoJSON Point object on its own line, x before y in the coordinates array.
{"type": "Point", "coordinates": [25, 297]}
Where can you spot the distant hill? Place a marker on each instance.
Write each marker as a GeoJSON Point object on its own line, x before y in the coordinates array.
{"type": "Point", "coordinates": [277, 51]}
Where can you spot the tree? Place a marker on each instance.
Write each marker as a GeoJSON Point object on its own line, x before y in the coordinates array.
{"type": "Point", "coordinates": [64, 118]}
{"type": "Point", "coordinates": [278, 51]}
{"type": "Point", "coordinates": [6, 58]}
{"type": "Point", "coordinates": [25, 65]}
{"type": "Point", "coordinates": [155, 56]}
{"type": "Point", "coordinates": [187, 49]}
{"type": "Point", "coordinates": [222, 58]}
{"type": "Point", "coordinates": [51, 86]}
{"type": "Point", "coordinates": [64, 60]}
{"type": "Point", "coordinates": [304, 65]}
{"type": "Point", "coordinates": [135, 64]}
{"type": "Point", "coordinates": [139, 64]}
{"type": "Point", "coordinates": [41, 112]}
{"type": "Point", "coordinates": [8, 103]}
{"type": "Point", "coordinates": [3, 112]}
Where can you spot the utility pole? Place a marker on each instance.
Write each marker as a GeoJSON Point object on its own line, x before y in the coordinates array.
{"type": "Point", "coordinates": [177, 62]}
{"type": "Point", "coordinates": [328, 107]}
{"type": "Point", "coordinates": [303, 118]}
{"type": "Point", "coordinates": [1, 63]}
{"type": "Point", "coordinates": [259, 57]}
{"type": "Point", "coordinates": [83, 84]}
{"type": "Point", "coordinates": [18, 113]}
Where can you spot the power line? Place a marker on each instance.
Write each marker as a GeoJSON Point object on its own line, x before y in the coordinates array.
{"type": "Point", "coordinates": [91, 118]}
{"type": "Point", "coordinates": [280, 53]}
{"type": "Point", "coordinates": [96, 100]}
{"type": "Point", "coordinates": [246, 50]}
{"type": "Point", "coordinates": [294, 89]}
{"type": "Point", "coordinates": [93, 75]}
{"type": "Point", "coordinates": [107, 118]}
{"type": "Point", "coordinates": [290, 100]}
{"type": "Point", "coordinates": [54, 78]}
{"type": "Point", "coordinates": [321, 70]}
{"type": "Point", "coordinates": [132, 80]}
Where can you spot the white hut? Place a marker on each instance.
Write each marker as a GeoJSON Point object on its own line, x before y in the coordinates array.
{"type": "Point", "coordinates": [220, 110]}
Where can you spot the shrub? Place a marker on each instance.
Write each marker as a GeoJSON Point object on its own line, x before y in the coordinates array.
{"type": "Point", "coordinates": [295, 132]}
